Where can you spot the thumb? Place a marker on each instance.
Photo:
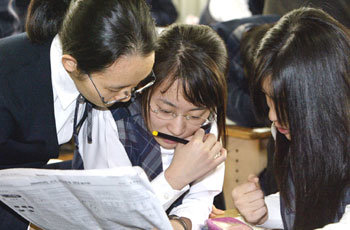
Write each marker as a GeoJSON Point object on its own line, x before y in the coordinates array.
{"type": "Point", "coordinates": [254, 179]}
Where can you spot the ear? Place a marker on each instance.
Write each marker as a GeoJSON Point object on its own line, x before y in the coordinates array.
{"type": "Point", "coordinates": [69, 63]}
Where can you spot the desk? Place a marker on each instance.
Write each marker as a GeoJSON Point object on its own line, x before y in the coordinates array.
{"type": "Point", "coordinates": [246, 154]}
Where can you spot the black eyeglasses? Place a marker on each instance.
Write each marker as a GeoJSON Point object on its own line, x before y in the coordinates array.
{"type": "Point", "coordinates": [144, 84]}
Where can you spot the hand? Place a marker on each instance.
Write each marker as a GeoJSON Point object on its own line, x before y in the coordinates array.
{"type": "Point", "coordinates": [248, 198]}
{"type": "Point", "coordinates": [195, 159]}
{"type": "Point", "coordinates": [178, 226]}
{"type": "Point", "coordinates": [215, 212]}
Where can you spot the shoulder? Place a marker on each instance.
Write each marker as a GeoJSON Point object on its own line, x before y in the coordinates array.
{"type": "Point", "coordinates": [227, 27]}
{"type": "Point", "coordinates": [25, 68]}
{"type": "Point", "coordinates": [19, 50]}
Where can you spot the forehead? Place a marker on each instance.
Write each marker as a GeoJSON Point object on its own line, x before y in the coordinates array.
{"type": "Point", "coordinates": [171, 90]}
{"type": "Point", "coordinates": [173, 94]}
{"type": "Point", "coordinates": [128, 70]}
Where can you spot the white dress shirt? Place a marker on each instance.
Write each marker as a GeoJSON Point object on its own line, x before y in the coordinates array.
{"type": "Point", "coordinates": [196, 204]}
{"type": "Point", "coordinates": [65, 94]}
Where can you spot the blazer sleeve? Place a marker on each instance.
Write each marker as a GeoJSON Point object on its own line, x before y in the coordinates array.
{"type": "Point", "coordinates": [14, 151]}
{"type": "Point", "coordinates": [27, 124]}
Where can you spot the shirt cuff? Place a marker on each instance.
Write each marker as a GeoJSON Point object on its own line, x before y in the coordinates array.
{"type": "Point", "coordinates": [164, 192]}
{"type": "Point", "coordinates": [274, 220]}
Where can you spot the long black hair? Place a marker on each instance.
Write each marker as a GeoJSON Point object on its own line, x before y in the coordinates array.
{"type": "Point", "coordinates": [305, 58]}
{"type": "Point", "coordinates": [95, 33]}
{"type": "Point", "coordinates": [197, 57]}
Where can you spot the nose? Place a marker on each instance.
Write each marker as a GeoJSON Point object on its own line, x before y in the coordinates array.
{"type": "Point", "coordinates": [177, 126]}
{"type": "Point", "coordinates": [123, 96]}
{"type": "Point", "coordinates": [272, 115]}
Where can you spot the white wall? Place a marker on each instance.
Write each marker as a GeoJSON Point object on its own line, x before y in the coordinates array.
{"type": "Point", "coordinates": [189, 7]}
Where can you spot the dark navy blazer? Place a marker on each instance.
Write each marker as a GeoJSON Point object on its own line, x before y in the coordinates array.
{"type": "Point", "coordinates": [27, 124]}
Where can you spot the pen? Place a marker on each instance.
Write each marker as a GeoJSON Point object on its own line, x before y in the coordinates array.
{"type": "Point", "coordinates": [169, 137]}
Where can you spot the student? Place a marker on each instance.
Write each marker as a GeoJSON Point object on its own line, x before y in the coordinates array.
{"type": "Point", "coordinates": [302, 67]}
{"type": "Point", "coordinates": [163, 11]}
{"type": "Point", "coordinates": [107, 46]}
{"type": "Point", "coordinates": [189, 92]}
{"type": "Point", "coordinates": [241, 37]}
{"type": "Point", "coordinates": [339, 9]}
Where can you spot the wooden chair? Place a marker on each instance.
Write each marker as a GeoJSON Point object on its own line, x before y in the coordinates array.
{"type": "Point", "coordinates": [246, 154]}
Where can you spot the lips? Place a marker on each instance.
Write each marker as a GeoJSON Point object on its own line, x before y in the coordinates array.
{"type": "Point", "coordinates": [282, 130]}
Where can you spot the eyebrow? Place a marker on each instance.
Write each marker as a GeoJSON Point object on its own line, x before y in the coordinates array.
{"type": "Point", "coordinates": [172, 105]}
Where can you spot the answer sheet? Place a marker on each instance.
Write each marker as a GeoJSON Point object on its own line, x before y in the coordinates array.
{"type": "Point", "coordinates": [118, 198]}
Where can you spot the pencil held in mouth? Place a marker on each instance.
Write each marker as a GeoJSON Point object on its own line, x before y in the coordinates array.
{"type": "Point", "coordinates": [169, 137]}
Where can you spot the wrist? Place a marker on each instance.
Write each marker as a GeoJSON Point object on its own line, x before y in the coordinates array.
{"type": "Point", "coordinates": [179, 222]}
{"type": "Point", "coordinates": [174, 181]}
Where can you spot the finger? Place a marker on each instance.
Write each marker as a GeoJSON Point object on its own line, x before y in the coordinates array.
{"type": "Point", "coordinates": [261, 211]}
{"type": "Point", "coordinates": [217, 211]}
{"type": "Point", "coordinates": [198, 135]}
{"type": "Point", "coordinates": [244, 189]}
{"type": "Point", "coordinates": [215, 150]}
{"type": "Point", "coordinates": [221, 157]}
{"type": "Point", "coordinates": [253, 178]}
{"type": "Point", "coordinates": [210, 141]}
{"type": "Point", "coordinates": [257, 204]}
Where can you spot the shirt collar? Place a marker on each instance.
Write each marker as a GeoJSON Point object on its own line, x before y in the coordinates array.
{"type": "Point", "coordinates": [62, 83]}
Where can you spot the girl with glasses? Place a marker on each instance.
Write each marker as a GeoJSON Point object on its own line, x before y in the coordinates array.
{"type": "Point", "coordinates": [302, 73]}
{"type": "Point", "coordinates": [46, 76]}
{"type": "Point", "coordinates": [188, 101]}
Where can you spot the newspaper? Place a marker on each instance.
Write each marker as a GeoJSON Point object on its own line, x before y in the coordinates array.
{"type": "Point", "coordinates": [117, 198]}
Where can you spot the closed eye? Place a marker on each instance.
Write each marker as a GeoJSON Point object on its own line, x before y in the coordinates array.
{"type": "Point", "coordinates": [114, 90]}
{"type": "Point", "coordinates": [195, 117]}
{"type": "Point", "coordinates": [164, 111]}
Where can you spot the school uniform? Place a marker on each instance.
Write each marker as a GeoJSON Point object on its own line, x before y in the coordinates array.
{"type": "Point", "coordinates": [281, 217]}
{"type": "Point", "coordinates": [239, 106]}
{"type": "Point", "coordinates": [339, 9]}
{"type": "Point", "coordinates": [37, 106]}
{"type": "Point", "coordinates": [141, 149]}
{"type": "Point", "coordinates": [28, 133]}
{"type": "Point", "coordinates": [163, 11]}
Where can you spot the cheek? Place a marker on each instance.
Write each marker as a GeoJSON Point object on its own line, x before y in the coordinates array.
{"type": "Point", "coordinates": [156, 124]}
{"type": "Point", "coordinates": [190, 130]}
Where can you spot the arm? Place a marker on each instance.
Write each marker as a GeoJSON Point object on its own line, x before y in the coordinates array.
{"type": "Point", "coordinates": [15, 152]}
{"type": "Point", "coordinates": [254, 207]}
{"type": "Point", "coordinates": [248, 198]}
{"type": "Point", "coordinates": [192, 161]}
{"type": "Point", "coordinates": [197, 203]}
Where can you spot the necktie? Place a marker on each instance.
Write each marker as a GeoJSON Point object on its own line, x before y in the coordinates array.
{"type": "Point", "coordinates": [77, 162]}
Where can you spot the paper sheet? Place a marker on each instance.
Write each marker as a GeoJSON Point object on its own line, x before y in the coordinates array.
{"type": "Point", "coordinates": [118, 198]}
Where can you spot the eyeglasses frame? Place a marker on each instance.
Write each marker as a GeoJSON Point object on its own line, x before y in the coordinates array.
{"type": "Point", "coordinates": [133, 93]}
{"type": "Point", "coordinates": [186, 116]}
